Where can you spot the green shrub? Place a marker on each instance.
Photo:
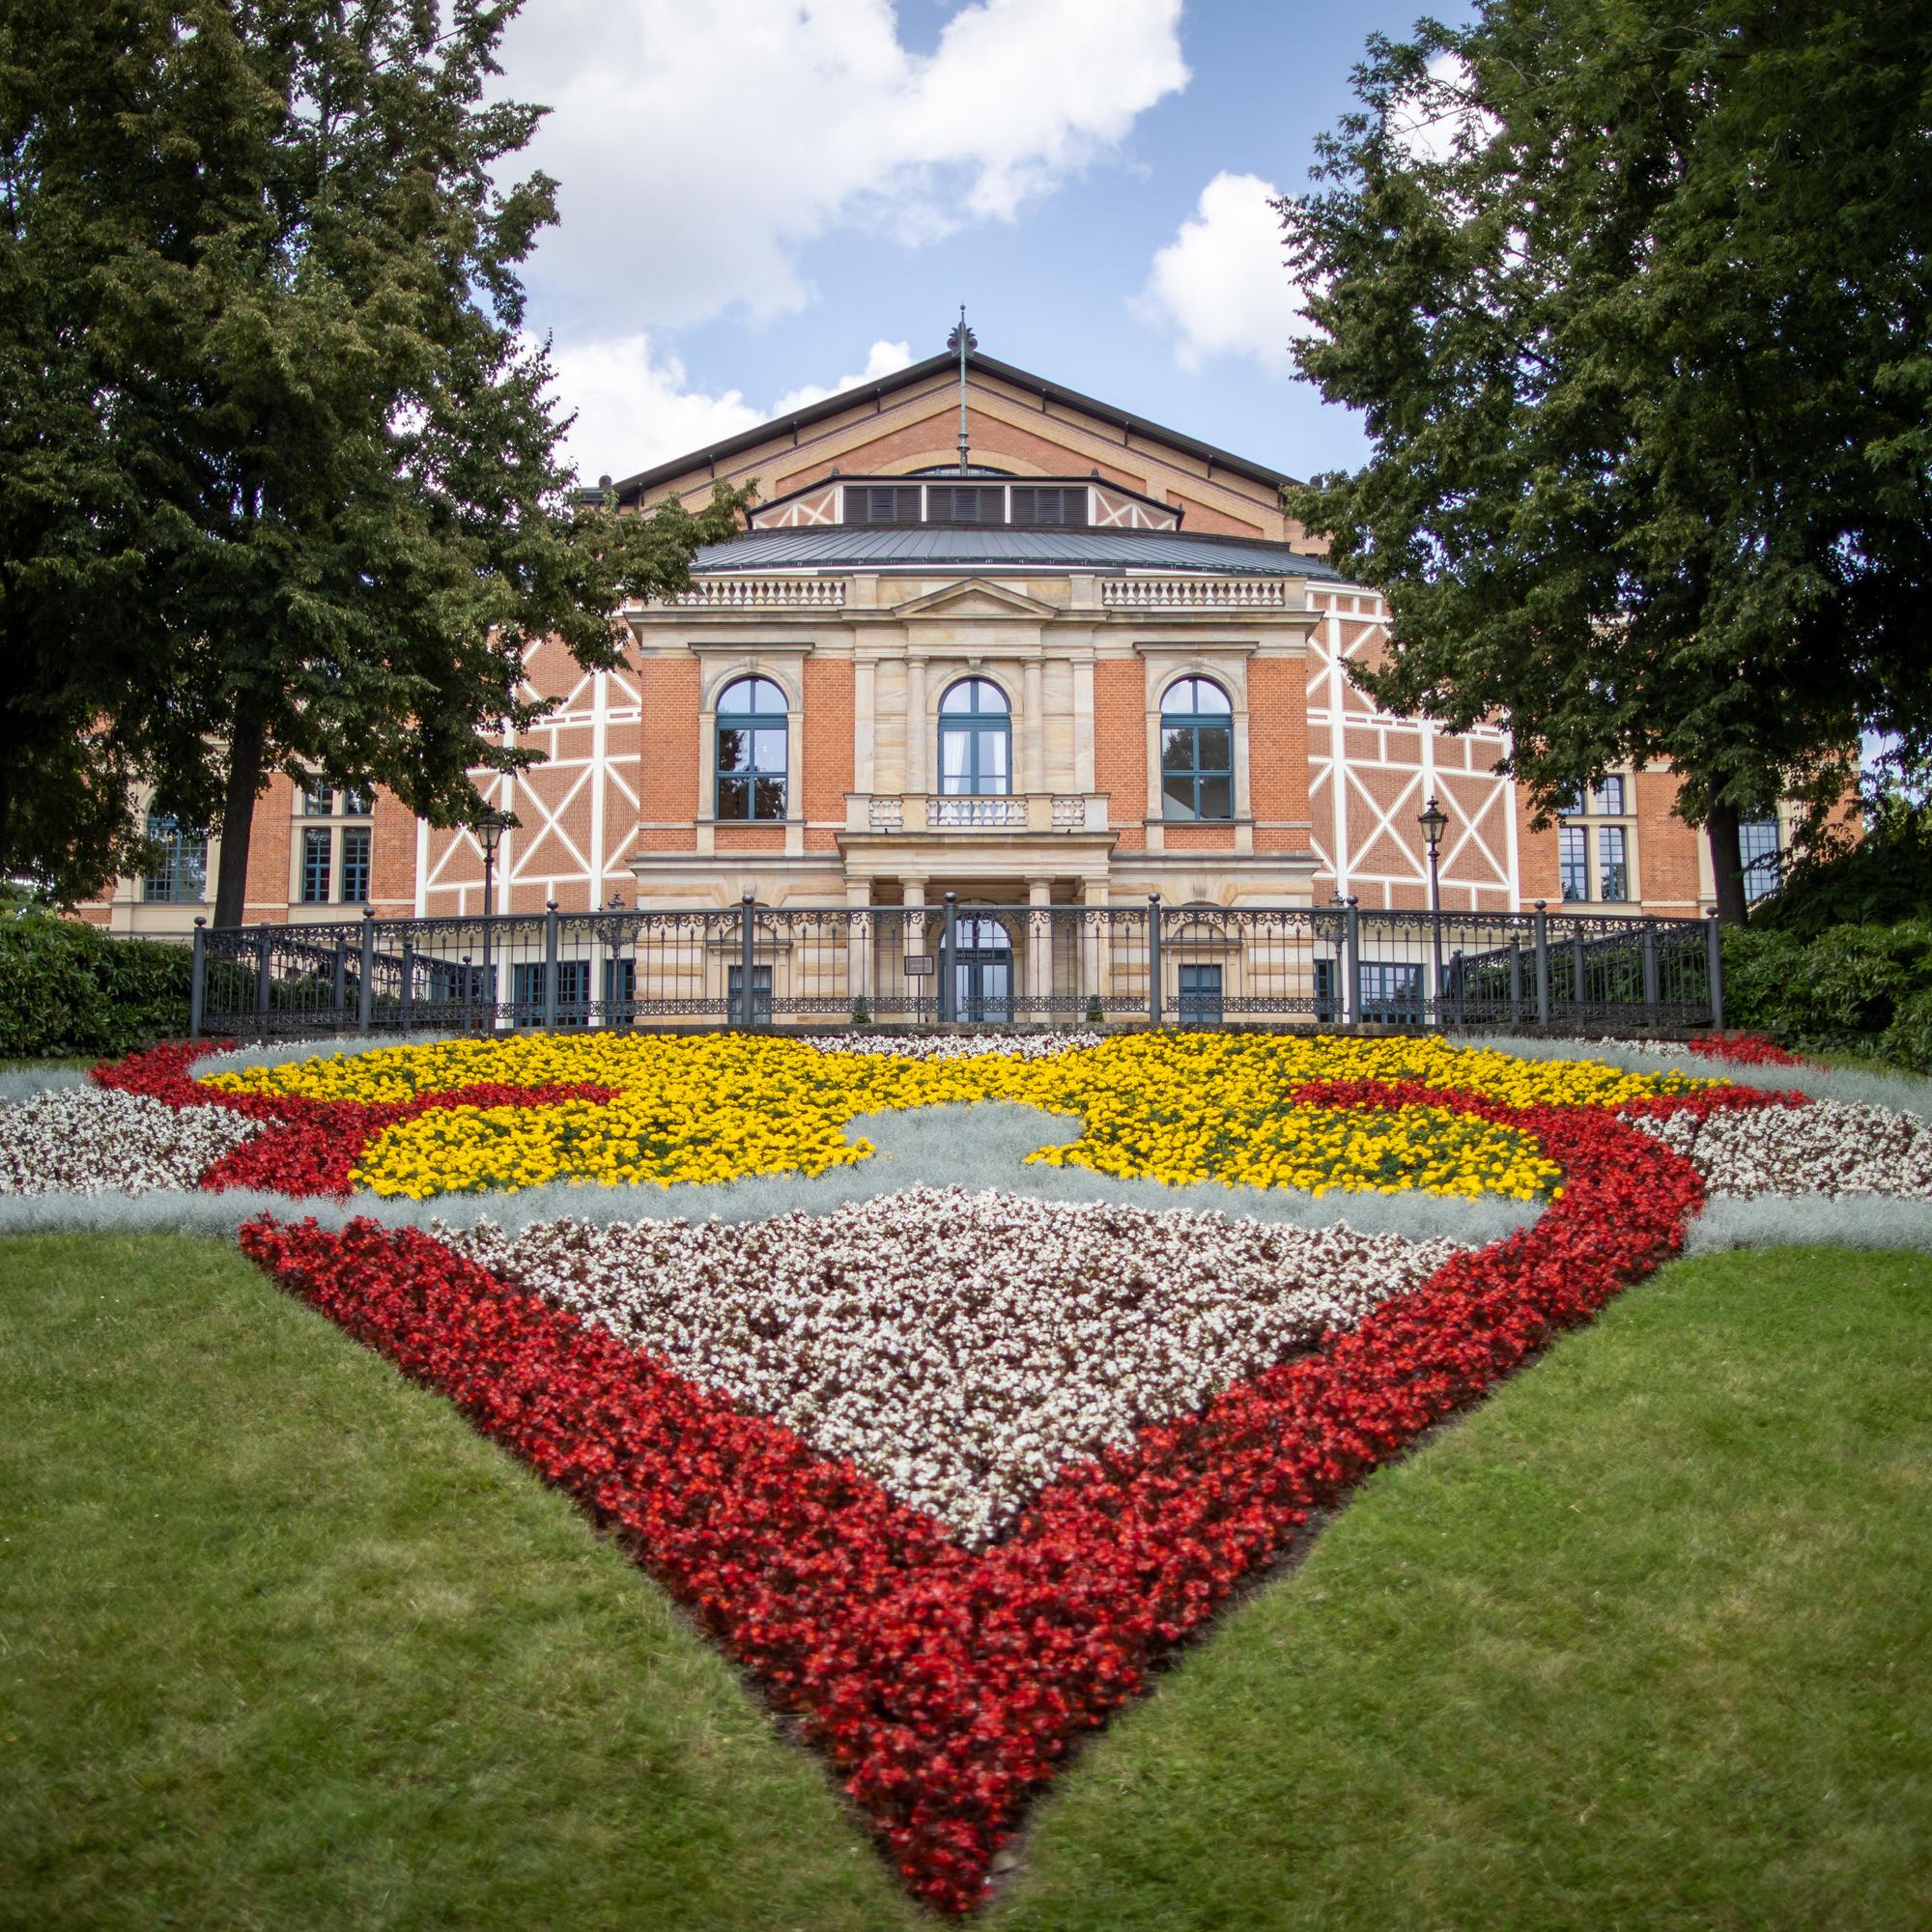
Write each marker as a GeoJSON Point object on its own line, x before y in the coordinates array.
{"type": "Point", "coordinates": [1907, 1040]}
{"type": "Point", "coordinates": [1842, 991]}
{"type": "Point", "coordinates": [70, 990]}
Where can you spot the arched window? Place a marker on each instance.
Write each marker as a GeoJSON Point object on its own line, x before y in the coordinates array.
{"type": "Point", "coordinates": [1196, 750]}
{"type": "Point", "coordinates": [976, 740]}
{"type": "Point", "coordinates": [751, 750]}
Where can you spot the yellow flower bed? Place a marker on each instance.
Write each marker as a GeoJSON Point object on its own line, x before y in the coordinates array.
{"type": "Point", "coordinates": [1172, 1107]}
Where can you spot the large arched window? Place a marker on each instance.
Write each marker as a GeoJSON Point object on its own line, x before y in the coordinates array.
{"type": "Point", "coordinates": [1196, 750]}
{"type": "Point", "coordinates": [751, 750]}
{"type": "Point", "coordinates": [976, 740]}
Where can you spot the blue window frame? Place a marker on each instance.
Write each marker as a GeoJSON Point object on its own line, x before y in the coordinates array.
{"type": "Point", "coordinates": [1612, 863]}
{"type": "Point", "coordinates": [1197, 751]}
{"type": "Point", "coordinates": [356, 865]}
{"type": "Point", "coordinates": [976, 740]}
{"type": "Point", "coordinates": [181, 875]}
{"type": "Point", "coordinates": [573, 993]}
{"type": "Point", "coordinates": [752, 750]}
{"type": "Point", "coordinates": [317, 855]}
{"type": "Point", "coordinates": [620, 989]}
{"type": "Point", "coordinates": [1391, 993]}
{"type": "Point", "coordinates": [761, 993]}
{"type": "Point", "coordinates": [1200, 996]}
{"type": "Point", "coordinates": [1572, 858]}
{"type": "Point", "coordinates": [1758, 853]}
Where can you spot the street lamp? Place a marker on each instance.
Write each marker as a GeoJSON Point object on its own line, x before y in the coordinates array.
{"type": "Point", "coordinates": [491, 825]}
{"type": "Point", "coordinates": [1435, 822]}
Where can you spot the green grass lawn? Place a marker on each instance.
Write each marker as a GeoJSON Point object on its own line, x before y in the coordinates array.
{"type": "Point", "coordinates": [1642, 1643]}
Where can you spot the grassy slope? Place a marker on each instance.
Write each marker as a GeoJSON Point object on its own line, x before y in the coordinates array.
{"type": "Point", "coordinates": [1641, 1643]}
{"type": "Point", "coordinates": [286, 1646]}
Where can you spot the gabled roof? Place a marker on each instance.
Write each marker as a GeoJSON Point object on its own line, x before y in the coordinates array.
{"type": "Point", "coordinates": [919, 372]}
{"type": "Point", "coordinates": [848, 546]}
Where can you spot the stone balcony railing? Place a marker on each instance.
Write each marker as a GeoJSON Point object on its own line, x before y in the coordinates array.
{"type": "Point", "coordinates": [1022, 811]}
{"type": "Point", "coordinates": [1194, 593]}
{"type": "Point", "coordinates": [761, 593]}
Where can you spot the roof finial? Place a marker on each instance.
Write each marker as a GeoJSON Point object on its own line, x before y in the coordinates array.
{"type": "Point", "coordinates": [961, 340]}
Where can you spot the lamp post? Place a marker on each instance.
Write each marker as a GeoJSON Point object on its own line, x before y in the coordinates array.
{"type": "Point", "coordinates": [490, 829]}
{"type": "Point", "coordinates": [1435, 822]}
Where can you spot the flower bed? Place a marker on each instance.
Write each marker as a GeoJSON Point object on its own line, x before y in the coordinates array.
{"type": "Point", "coordinates": [947, 1474]}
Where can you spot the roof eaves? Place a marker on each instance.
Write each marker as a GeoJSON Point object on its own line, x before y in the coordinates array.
{"type": "Point", "coordinates": [918, 372]}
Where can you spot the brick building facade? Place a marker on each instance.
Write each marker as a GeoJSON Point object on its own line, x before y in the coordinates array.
{"type": "Point", "coordinates": [1098, 662]}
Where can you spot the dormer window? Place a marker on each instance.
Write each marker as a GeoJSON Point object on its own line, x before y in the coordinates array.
{"type": "Point", "coordinates": [952, 505]}
{"type": "Point", "coordinates": [881, 504]}
{"type": "Point", "coordinates": [1060, 506]}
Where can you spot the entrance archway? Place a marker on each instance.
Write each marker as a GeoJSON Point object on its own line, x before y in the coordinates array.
{"type": "Point", "coordinates": [982, 972]}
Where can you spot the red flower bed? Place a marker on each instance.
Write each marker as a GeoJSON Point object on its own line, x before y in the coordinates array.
{"type": "Point", "coordinates": [1745, 1049]}
{"type": "Point", "coordinates": [308, 1147]}
{"type": "Point", "coordinates": [948, 1686]}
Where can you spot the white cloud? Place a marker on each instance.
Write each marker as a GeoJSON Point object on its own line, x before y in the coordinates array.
{"type": "Point", "coordinates": [885, 360]}
{"type": "Point", "coordinates": [700, 146]}
{"type": "Point", "coordinates": [1219, 286]}
{"type": "Point", "coordinates": [635, 407]}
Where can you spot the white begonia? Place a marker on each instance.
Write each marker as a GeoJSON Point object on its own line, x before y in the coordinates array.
{"type": "Point", "coordinates": [952, 1046]}
{"type": "Point", "coordinates": [97, 1140]}
{"type": "Point", "coordinates": [1831, 1147]}
{"type": "Point", "coordinates": [963, 1349]}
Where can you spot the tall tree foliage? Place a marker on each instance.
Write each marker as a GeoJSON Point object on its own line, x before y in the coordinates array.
{"type": "Point", "coordinates": [1635, 297]}
{"type": "Point", "coordinates": [279, 482]}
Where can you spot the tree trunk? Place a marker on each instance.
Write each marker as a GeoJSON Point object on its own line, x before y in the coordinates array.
{"type": "Point", "coordinates": [1727, 877]}
{"type": "Point", "coordinates": [238, 813]}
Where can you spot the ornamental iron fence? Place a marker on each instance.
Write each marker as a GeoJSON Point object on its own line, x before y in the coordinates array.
{"type": "Point", "coordinates": [953, 964]}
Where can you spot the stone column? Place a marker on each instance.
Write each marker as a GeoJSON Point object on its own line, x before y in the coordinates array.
{"type": "Point", "coordinates": [1040, 948]}
{"type": "Point", "coordinates": [912, 939]}
{"type": "Point", "coordinates": [860, 953]}
{"type": "Point", "coordinates": [915, 726]}
{"type": "Point", "coordinates": [1032, 773]}
{"type": "Point", "coordinates": [1096, 948]}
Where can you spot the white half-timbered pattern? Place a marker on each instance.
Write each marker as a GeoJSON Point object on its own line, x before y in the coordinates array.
{"type": "Point", "coordinates": [1370, 774]}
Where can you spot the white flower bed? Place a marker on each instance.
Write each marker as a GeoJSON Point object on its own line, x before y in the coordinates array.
{"type": "Point", "coordinates": [962, 1349]}
{"type": "Point", "coordinates": [93, 1140]}
{"type": "Point", "coordinates": [1832, 1146]}
{"type": "Point", "coordinates": [952, 1046]}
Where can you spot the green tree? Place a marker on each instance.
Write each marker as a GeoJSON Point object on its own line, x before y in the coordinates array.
{"type": "Point", "coordinates": [1634, 295]}
{"type": "Point", "coordinates": [290, 494]}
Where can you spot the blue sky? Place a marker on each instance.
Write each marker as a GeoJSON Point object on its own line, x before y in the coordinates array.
{"type": "Point", "coordinates": [763, 198]}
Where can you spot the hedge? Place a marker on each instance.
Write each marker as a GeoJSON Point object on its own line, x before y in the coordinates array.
{"type": "Point", "coordinates": [1849, 990]}
{"type": "Point", "coordinates": [67, 989]}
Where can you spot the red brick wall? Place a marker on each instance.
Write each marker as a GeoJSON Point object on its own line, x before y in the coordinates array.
{"type": "Point", "coordinates": [1667, 848]}
{"type": "Point", "coordinates": [749, 837]}
{"type": "Point", "coordinates": [1278, 750]}
{"type": "Point", "coordinates": [392, 858]}
{"type": "Point", "coordinates": [1121, 748]}
{"type": "Point", "coordinates": [669, 754]}
{"type": "Point", "coordinates": [826, 755]}
{"type": "Point", "coordinates": [271, 879]}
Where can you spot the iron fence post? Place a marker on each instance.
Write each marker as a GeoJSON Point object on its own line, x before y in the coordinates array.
{"type": "Point", "coordinates": [949, 951]}
{"type": "Point", "coordinates": [550, 966]}
{"type": "Point", "coordinates": [1715, 939]}
{"type": "Point", "coordinates": [339, 986]}
{"type": "Point", "coordinates": [1153, 959]}
{"type": "Point", "coordinates": [408, 991]}
{"type": "Point", "coordinates": [745, 1004]}
{"type": "Point", "coordinates": [197, 981]}
{"type": "Point", "coordinates": [1351, 962]}
{"type": "Point", "coordinates": [264, 956]}
{"type": "Point", "coordinates": [365, 993]}
{"type": "Point", "coordinates": [1653, 995]}
{"type": "Point", "coordinates": [1516, 980]}
{"type": "Point", "coordinates": [1541, 965]}
{"type": "Point", "coordinates": [1579, 967]}
{"type": "Point", "coordinates": [1456, 984]}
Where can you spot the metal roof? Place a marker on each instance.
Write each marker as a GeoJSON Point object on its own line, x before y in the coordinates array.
{"type": "Point", "coordinates": [842, 399]}
{"type": "Point", "coordinates": [922, 546]}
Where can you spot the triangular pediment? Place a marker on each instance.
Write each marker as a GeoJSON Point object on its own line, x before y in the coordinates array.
{"type": "Point", "coordinates": [975, 597]}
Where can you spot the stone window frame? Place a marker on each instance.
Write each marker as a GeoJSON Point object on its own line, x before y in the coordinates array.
{"type": "Point", "coordinates": [349, 810]}
{"type": "Point", "coordinates": [1592, 821]}
{"type": "Point", "coordinates": [1222, 664]}
{"type": "Point", "coordinates": [719, 676]}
